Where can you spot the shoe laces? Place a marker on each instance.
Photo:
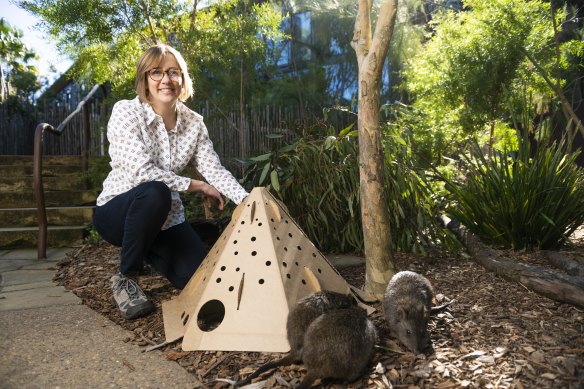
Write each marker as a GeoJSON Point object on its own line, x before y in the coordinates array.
{"type": "Point", "coordinates": [130, 286]}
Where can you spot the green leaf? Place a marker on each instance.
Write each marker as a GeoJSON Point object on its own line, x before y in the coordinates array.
{"type": "Point", "coordinates": [346, 130]}
{"type": "Point", "coordinates": [264, 173]}
{"type": "Point", "coordinates": [274, 136]}
{"type": "Point", "coordinates": [263, 157]}
{"type": "Point", "coordinates": [274, 180]}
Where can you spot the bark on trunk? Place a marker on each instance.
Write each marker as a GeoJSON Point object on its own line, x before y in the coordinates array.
{"type": "Point", "coordinates": [371, 55]}
{"type": "Point", "coordinates": [556, 286]}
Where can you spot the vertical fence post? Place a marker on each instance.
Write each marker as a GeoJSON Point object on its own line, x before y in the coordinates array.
{"type": "Point", "coordinates": [85, 143]}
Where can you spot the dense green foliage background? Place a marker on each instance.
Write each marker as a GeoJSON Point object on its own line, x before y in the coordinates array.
{"type": "Point", "coordinates": [475, 94]}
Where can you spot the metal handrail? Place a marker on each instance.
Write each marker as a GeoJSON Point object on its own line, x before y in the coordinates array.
{"type": "Point", "coordinates": [38, 166]}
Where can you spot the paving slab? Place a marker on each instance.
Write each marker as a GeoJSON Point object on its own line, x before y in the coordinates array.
{"type": "Point", "coordinates": [26, 276]}
{"type": "Point", "coordinates": [11, 264]}
{"type": "Point", "coordinates": [75, 347]}
{"type": "Point", "coordinates": [53, 254]}
{"type": "Point", "coordinates": [36, 296]}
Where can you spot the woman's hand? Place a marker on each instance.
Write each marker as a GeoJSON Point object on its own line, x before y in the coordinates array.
{"type": "Point", "coordinates": [207, 190]}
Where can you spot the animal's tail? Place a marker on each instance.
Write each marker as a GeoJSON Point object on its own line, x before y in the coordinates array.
{"type": "Point", "coordinates": [440, 308]}
{"type": "Point", "coordinates": [287, 360]}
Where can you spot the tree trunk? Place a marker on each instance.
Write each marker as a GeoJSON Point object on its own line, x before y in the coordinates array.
{"type": "Point", "coordinates": [371, 55]}
{"type": "Point", "coordinates": [554, 285]}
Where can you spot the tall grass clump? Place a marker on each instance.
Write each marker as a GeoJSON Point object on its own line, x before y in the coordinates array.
{"type": "Point", "coordinates": [522, 200]}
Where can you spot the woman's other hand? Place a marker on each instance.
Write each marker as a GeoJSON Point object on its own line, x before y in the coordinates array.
{"type": "Point", "coordinates": [207, 190]}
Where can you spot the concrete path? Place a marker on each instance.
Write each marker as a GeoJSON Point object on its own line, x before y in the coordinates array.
{"type": "Point", "coordinates": [48, 339]}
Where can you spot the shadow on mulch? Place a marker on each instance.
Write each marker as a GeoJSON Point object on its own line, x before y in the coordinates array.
{"type": "Point", "coordinates": [496, 335]}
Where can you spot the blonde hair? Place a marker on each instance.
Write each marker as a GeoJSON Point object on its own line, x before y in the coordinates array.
{"type": "Point", "coordinates": [150, 59]}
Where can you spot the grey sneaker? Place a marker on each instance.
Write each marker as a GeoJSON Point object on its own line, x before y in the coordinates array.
{"type": "Point", "coordinates": [131, 300]}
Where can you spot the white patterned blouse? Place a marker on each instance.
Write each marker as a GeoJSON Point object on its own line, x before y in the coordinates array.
{"type": "Point", "coordinates": [142, 150]}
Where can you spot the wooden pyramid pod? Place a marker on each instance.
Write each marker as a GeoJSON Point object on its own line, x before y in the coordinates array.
{"type": "Point", "coordinates": [239, 298]}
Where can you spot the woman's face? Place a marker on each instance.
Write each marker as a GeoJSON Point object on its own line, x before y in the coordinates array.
{"type": "Point", "coordinates": [166, 90]}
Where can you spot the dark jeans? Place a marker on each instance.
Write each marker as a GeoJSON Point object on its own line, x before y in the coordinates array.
{"type": "Point", "coordinates": [133, 221]}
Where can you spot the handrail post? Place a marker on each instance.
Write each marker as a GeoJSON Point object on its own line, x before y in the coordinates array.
{"type": "Point", "coordinates": [85, 143]}
{"type": "Point", "coordinates": [38, 165]}
{"type": "Point", "coordinates": [37, 179]}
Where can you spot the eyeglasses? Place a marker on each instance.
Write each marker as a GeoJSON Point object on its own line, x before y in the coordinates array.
{"type": "Point", "coordinates": [157, 74]}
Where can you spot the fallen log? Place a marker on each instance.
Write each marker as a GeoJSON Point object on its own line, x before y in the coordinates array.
{"type": "Point", "coordinates": [564, 263]}
{"type": "Point", "coordinates": [554, 285]}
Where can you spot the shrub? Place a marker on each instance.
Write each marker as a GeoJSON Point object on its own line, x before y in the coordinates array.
{"type": "Point", "coordinates": [317, 177]}
{"type": "Point", "coordinates": [519, 201]}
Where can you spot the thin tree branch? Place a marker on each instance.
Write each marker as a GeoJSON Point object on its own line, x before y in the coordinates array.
{"type": "Point", "coordinates": [571, 115]}
{"type": "Point", "coordinates": [384, 28]}
{"type": "Point", "coordinates": [362, 34]}
{"type": "Point", "coordinates": [147, 17]}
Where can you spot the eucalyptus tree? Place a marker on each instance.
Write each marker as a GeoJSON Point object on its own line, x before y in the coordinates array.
{"type": "Point", "coordinates": [105, 38]}
{"type": "Point", "coordinates": [15, 68]}
{"type": "Point", "coordinates": [371, 48]}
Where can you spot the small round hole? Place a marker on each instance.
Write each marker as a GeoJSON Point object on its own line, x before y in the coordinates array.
{"type": "Point", "coordinates": [285, 248]}
{"type": "Point", "coordinates": [299, 248]}
{"type": "Point", "coordinates": [253, 238]}
{"type": "Point", "coordinates": [284, 264]}
{"type": "Point", "coordinates": [261, 281]}
{"type": "Point", "coordinates": [288, 275]}
{"type": "Point", "coordinates": [318, 270]}
{"type": "Point", "coordinates": [223, 268]}
{"type": "Point", "coordinates": [260, 224]}
{"type": "Point", "coordinates": [303, 282]}
{"type": "Point", "coordinates": [296, 263]}
{"type": "Point", "coordinates": [210, 315]}
{"type": "Point", "coordinates": [235, 242]}
{"type": "Point", "coordinates": [254, 253]}
{"type": "Point", "coordinates": [236, 269]}
{"type": "Point", "coordinates": [231, 288]}
{"type": "Point", "coordinates": [218, 280]}
{"type": "Point", "coordinates": [235, 253]}
{"type": "Point", "coordinates": [268, 263]}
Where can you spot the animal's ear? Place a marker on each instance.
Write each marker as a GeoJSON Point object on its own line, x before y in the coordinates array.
{"type": "Point", "coordinates": [426, 312]}
{"type": "Point", "coordinates": [401, 314]}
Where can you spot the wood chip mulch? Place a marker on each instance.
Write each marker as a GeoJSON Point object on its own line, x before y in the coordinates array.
{"type": "Point", "coordinates": [496, 334]}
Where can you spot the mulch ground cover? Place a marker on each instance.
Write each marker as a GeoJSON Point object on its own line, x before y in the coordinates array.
{"type": "Point", "coordinates": [496, 334]}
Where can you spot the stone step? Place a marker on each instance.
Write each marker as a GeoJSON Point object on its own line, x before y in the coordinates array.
{"type": "Point", "coordinates": [75, 182]}
{"type": "Point", "coordinates": [47, 160]}
{"type": "Point", "coordinates": [56, 216]}
{"type": "Point", "coordinates": [48, 170]}
{"type": "Point", "coordinates": [27, 237]}
{"type": "Point", "coordinates": [26, 199]}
